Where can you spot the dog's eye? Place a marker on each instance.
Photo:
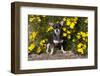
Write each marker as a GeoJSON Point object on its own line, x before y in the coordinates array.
{"type": "Point", "coordinates": [56, 26]}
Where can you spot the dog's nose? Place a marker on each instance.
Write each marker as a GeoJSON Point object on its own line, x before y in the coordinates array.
{"type": "Point", "coordinates": [57, 30]}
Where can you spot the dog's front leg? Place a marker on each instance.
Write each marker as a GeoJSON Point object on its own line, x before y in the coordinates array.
{"type": "Point", "coordinates": [62, 49]}
{"type": "Point", "coordinates": [52, 50]}
{"type": "Point", "coordinates": [47, 48]}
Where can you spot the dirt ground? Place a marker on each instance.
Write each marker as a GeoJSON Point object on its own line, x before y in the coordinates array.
{"type": "Point", "coordinates": [55, 56]}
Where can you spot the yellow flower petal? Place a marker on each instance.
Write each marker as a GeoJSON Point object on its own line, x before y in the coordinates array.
{"type": "Point", "coordinates": [64, 19]}
{"type": "Point", "coordinates": [72, 25]}
{"type": "Point", "coordinates": [78, 36]}
{"type": "Point", "coordinates": [31, 47]}
{"type": "Point", "coordinates": [83, 34]}
{"type": "Point", "coordinates": [64, 34]}
{"type": "Point", "coordinates": [69, 36]}
{"type": "Point", "coordinates": [39, 20]}
{"type": "Point", "coordinates": [83, 39]}
{"type": "Point", "coordinates": [69, 32]}
{"type": "Point", "coordinates": [80, 51]}
{"type": "Point", "coordinates": [49, 29]}
{"type": "Point", "coordinates": [38, 50]}
{"type": "Point", "coordinates": [64, 29]}
{"type": "Point", "coordinates": [42, 42]}
{"type": "Point", "coordinates": [30, 37]}
{"type": "Point", "coordinates": [79, 45]}
{"type": "Point", "coordinates": [84, 46]}
{"type": "Point", "coordinates": [78, 33]}
{"type": "Point", "coordinates": [68, 22]}
{"type": "Point", "coordinates": [86, 34]}
{"type": "Point", "coordinates": [76, 18]}
{"type": "Point", "coordinates": [86, 21]}
{"type": "Point", "coordinates": [34, 34]}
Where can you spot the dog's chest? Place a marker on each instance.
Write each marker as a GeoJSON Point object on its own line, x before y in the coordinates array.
{"type": "Point", "coordinates": [57, 38]}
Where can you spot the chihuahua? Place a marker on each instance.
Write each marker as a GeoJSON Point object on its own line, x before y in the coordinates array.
{"type": "Point", "coordinates": [56, 38]}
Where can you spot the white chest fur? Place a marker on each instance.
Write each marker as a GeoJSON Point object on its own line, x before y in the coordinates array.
{"type": "Point", "coordinates": [56, 41]}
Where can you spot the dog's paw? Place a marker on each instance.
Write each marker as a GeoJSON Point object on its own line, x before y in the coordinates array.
{"type": "Point", "coordinates": [50, 53]}
{"type": "Point", "coordinates": [47, 52]}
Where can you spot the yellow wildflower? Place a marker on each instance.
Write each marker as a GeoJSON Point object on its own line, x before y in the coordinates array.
{"type": "Point", "coordinates": [68, 22]}
{"type": "Point", "coordinates": [81, 48]}
{"type": "Point", "coordinates": [72, 25]}
{"type": "Point", "coordinates": [78, 33]}
{"type": "Point", "coordinates": [69, 36]}
{"type": "Point", "coordinates": [78, 36]}
{"type": "Point", "coordinates": [64, 34]}
{"type": "Point", "coordinates": [76, 18]}
{"type": "Point", "coordinates": [69, 32]}
{"type": "Point", "coordinates": [31, 19]}
{"type": "Point", "coordinates": [86, 34]}
{"type": "Point", "coordinates": [64, 29]}
{"type": "Point", "coordinates": [38, 18]}
{"type": "Point", "coordinates": [86, 21]}
{"type": "Point", "coordinates": [84, 46]}
{"type": "Point", "coordinates": [49, 29]}
{"type": "Point", "coordinates": [84, 39]}
{"type": "Point", "coordinates": [31, 47]}
{"type": "Point", "coordinates": [32, 36]}
{"type": "Point", "coordinates": [79, 45]}
{"type": "Point", "coordinates": [43, 46]}
{"type": "Point", "coordinates": [83, 34]}
{"type": "Point", "coordinates": [42, 42]}
{"type": "Point", "coordinates": [38, 50]}
{"type": "Point", "coordinates": [80, 51]}
{"type": "Point", "coordinates": [71, 22]}
{"type": "Point", "coordinates": [64, 19]}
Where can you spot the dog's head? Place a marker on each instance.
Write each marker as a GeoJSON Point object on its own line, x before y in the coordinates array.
{"type": "Point", "coordinates": [57, 27]}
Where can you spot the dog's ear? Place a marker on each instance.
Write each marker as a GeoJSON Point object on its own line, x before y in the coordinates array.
{"type": "Point", "coordinates": [51, 24]}
{"type": "Point", "coordinates": [62, 23]}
